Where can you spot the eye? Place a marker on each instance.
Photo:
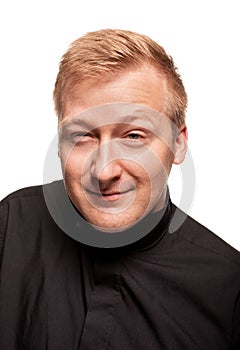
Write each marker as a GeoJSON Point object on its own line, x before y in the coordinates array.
{"type": "Point", "coordinates": [134, 136]}
{"type": "Point", "coordinates": [81, 136]}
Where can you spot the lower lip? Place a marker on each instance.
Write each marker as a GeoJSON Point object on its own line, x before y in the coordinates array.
{"type": "Point", "coordinates": [112, 197]}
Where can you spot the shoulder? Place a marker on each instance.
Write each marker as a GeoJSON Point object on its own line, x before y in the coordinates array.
{"type": "Point", "coordinates": [28, 192]}
{"type": "Point", "coordinates": [25, 206]}
{"type": "Point", "coordinates": [200, 239]}
{"type": "Point", "coordinates": [18, 208]}
{"type": "Point", "coordinates": [24, 214]}
{"type": "Point", "coordinates": [16, 203]}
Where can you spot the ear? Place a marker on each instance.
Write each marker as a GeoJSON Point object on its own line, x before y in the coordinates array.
{"type": "Point", "coordinates": [58, 146]}
{"type": "Point", "coordinates": [180, 145]}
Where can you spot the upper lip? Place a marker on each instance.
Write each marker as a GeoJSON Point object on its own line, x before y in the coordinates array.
{"type": "Point", "coordinates": [111, 193]}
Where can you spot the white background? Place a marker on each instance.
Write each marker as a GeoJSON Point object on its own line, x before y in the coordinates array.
{"type": "Point", "coordinates": [202, 37]}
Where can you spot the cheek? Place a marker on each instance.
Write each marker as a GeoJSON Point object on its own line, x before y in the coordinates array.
{"type": "Point", "coordinates": [156, 158]}
{"type": "Point", "coordinates": [72, 164]}
{"type": "Point", "coordinates": [165, 156]}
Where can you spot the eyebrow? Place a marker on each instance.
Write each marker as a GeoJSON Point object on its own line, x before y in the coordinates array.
{"type": "Point", "coordinates": [140, 115]}
{"type": "Point", "coordinates": [76, 122]}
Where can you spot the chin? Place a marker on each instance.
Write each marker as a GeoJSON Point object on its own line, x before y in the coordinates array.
{"type": "Point", "coordinates": [112, 222]}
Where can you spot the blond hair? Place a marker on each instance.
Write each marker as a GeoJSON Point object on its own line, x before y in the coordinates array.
{"type": "Point", "coordinates": [109, 51]}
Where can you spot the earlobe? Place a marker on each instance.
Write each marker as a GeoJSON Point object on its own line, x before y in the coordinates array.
{"type": "Point", "coordinates": [181, 145]}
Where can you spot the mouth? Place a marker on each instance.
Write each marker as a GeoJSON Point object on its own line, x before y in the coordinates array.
{"type": "Point", "coordinates": [109, 196]}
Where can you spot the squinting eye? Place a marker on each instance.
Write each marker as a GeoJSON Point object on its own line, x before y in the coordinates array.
{"type": "Point", "coordinates": [80, 134]}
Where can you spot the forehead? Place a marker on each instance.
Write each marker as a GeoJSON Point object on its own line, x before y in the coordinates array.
{"type": "Point", "coordinates": [143, 86]}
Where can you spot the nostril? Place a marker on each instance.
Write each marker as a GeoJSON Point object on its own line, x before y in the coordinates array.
{"type": "Point", "coordinates": [106, 183]}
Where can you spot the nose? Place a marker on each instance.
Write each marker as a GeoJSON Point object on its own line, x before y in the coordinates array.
{"type": "Point", "coordinates": [106, 165]}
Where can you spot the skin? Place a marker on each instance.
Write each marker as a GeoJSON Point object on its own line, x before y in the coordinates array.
{"type": "Point", "coordinates": [116, 173]}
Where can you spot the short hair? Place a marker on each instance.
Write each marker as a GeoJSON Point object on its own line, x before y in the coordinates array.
{"type": "Point", "coordinates": [111, 51]}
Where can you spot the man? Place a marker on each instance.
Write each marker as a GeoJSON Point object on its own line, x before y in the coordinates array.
{"type": "Point", "coordinates": [104, 260]}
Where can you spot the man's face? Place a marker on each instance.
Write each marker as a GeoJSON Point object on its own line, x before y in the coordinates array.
{"type": "Point", "coordinates": [117, 148]}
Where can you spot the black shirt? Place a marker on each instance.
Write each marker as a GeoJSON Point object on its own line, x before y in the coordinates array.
{"type": "Point", "coordinates": [167, 291]}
